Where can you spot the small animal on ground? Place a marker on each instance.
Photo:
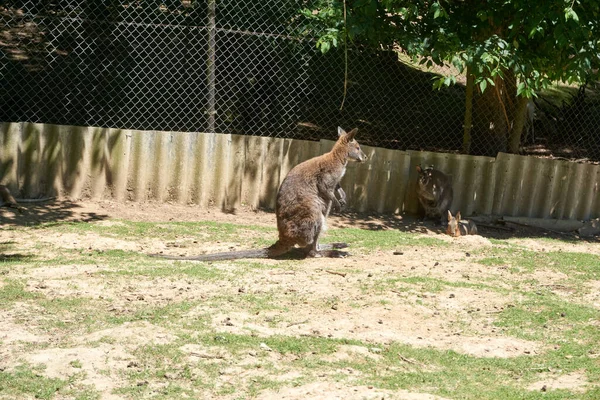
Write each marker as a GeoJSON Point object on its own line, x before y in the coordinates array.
{"type": "Point", "coordinates": [434, 191]}
{"type": "Point", "coordinates": [304, 201]}
{"type": "Point", "coordinates": [457, 227]}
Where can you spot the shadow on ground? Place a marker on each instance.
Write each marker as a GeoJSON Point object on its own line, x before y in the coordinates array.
{"type": "Point", "coordinates": [70, 211]}
{"type": "Point", "coordinates": [52, 211]}
{"type": "Point", "coordinates": [493, 228]}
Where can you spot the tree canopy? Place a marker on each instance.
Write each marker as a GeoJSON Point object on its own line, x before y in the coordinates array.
{"type": "Point", "coordinates": [542, 41]}
{"type": "Point", "coordinates": [528, 44]}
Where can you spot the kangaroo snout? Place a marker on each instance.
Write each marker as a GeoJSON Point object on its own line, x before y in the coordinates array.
{"type": "Point", "coordinates": [356, 154]}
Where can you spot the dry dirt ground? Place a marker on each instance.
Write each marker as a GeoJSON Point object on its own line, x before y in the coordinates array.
{"type": "Point", "coordinates": [459, 319]}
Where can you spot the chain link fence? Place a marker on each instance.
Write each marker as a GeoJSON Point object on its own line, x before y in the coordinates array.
{"type": "Point", "coordinates": [244, 67]}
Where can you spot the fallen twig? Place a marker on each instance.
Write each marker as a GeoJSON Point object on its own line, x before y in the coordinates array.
{"type": "Point", "coordinates": [335, 273]}
{"type": "Point", "coordinates": [297, 323]}
{"type": "Point", "coordinates": [206, 356]}
{"type": "Point", "coordinates": [407, 360]}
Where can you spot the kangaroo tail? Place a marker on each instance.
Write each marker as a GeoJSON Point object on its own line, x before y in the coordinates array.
{"type": "Point", "coordinates": [273, 251]}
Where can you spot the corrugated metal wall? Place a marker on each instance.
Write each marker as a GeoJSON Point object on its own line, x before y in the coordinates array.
{"type": "Point", "coordinates": [226, 171]}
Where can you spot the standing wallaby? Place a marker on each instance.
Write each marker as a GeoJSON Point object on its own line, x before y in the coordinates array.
{"type": "Point", "coordinates": [304, 201]}
{"type": "Point", "coordinates": [456, 227]}
{"type": "Point", "coordinates": [434, 190]}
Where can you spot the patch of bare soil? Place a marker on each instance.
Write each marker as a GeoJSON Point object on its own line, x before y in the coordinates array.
{"type": "Point", "coordinates": [460, 320]}
{"type": "Point", "coordinates": [575, 382]}
{"type": "Point", "coordinates": [593, 297]}
{"type": "Point", "coordinates": [96, 363]}
{"type": "Point", "coordinates": [100, 364]}
{"type": "Point", "coordinates": [579, 247]}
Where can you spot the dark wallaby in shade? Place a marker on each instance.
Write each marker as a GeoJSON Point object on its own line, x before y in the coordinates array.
{"type": "Point", "coordinates": [434, 191]}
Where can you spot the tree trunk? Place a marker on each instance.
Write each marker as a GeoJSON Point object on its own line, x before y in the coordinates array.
{"type": "Point", "coordinates": [514, 140]}
{"type": "Point", "coordinates": [468, 124]}
{"type": "Point", "coordinates": [491, 121]}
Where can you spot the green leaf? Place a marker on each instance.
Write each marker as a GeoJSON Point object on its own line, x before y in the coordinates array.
{"type": "Point", "coordinates": [436, 82]}
{"type": "Point", "coordinates": [571, 14]}
{"type": "Point", "coordinates": [482, 85]}
{"type": "Point", "coordinates": [520, 88]}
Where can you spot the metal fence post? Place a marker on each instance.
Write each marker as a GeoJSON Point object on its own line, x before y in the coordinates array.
{"type": "Point", "coordinates": [211, 58]}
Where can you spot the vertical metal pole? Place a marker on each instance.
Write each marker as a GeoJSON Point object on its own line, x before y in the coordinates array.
{"type": "Point", "coordinates": [212, 32]}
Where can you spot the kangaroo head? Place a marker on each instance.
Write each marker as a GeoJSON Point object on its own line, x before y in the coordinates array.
{"type": "Point", "coordinates": [453, 228]}
{"type": "Point", "coordinates": [353, 150]}
{"type": "Point", "coordinates": [425, 175]}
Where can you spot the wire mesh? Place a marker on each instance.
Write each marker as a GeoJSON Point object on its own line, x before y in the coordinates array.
{"type": "Point", "coordinates": [247, 67]}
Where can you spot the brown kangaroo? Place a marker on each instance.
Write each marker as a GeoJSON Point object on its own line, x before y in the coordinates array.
{"type": "Point", "coordinates": [304, 201]}
{"type": "Point", "coordinates": [434, 190]}
{"type": "Point", "coordinates": [456, 227]}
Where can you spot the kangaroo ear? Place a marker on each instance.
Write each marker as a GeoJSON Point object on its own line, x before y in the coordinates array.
{"type": "Point", "coordinates": [341, 131]}
{"type": "Point", "coordinates": [449, 216]}
{"type": "Point", "coordinates": [458, 216]}
{"type": "Point", "coordinates": [352, 133]}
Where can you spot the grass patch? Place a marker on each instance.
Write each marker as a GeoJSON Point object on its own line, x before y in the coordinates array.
{"type": "Point", "coordinates": [14, 290]}
{"type": "Point", "coordinates": [24, 381]}
{"type": "Point", "coordinates": [455, 375]}
{"type": "Point", "coordinates": [382, 240]}
{"type": "Point", "coordinates": [196, 270]}
{"type": "Point", "coordinates": [544, 317]}
{"type": "Point", "coordinates": [529, 260]}
{"type": "Point", "coordinates": [167, 231]}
